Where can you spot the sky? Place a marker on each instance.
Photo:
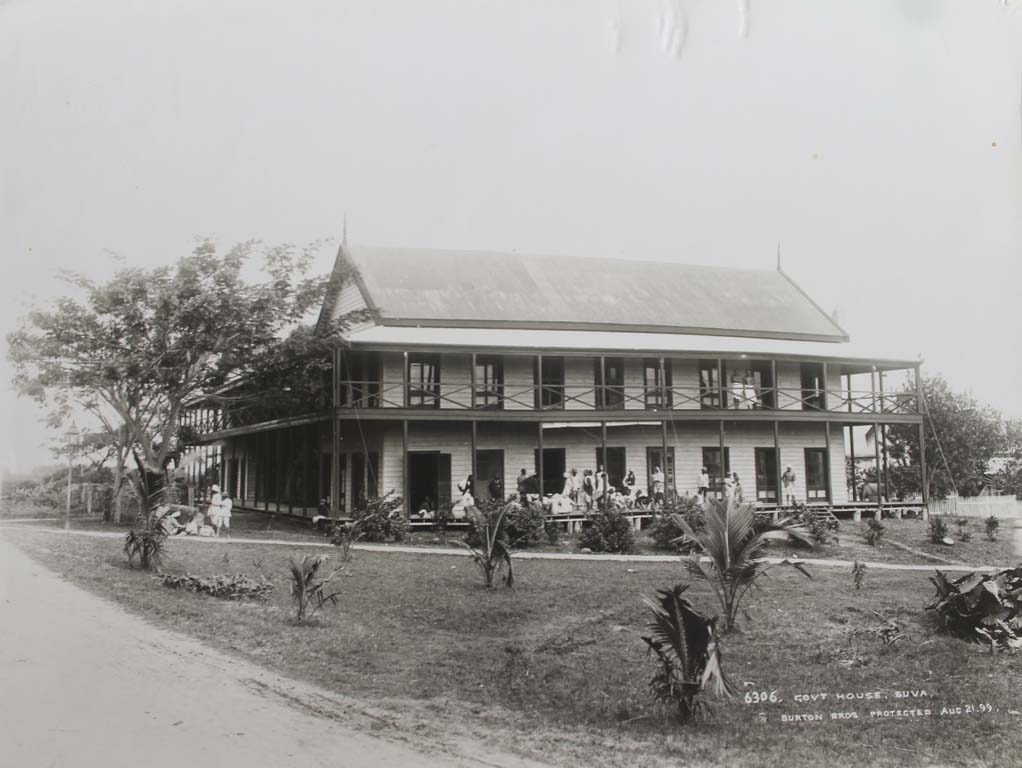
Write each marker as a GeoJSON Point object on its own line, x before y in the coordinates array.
{"type": "Point", "coordinates": [878, 144]}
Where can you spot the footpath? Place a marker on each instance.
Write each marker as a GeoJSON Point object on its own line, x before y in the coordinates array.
{"type": "Point", "coordinates": [519, 555]}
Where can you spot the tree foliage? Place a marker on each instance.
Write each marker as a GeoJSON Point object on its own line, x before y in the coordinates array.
{"type": "Point", "coordinates": [959, 430]}
{"type": "Point", "coordinates": [135, 350]}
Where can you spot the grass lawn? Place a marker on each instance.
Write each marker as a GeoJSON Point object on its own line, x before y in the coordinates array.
{"type": "Point", "coordinates": [557, 670]}
{"type": "Point", "coordinates": [979, 550]}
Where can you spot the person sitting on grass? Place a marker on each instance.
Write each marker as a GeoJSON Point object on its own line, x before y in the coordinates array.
{"type": "Point", "coordinates": [168, 520]}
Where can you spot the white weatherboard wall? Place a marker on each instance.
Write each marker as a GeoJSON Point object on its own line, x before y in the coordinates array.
{"type": "Point", "coordinates": [519, 441]}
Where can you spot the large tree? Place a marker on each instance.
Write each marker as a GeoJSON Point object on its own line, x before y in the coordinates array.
{"type": "Point", "coordinates": [136, 349]}
{"type": "Point", "coordinates": [961, 437]}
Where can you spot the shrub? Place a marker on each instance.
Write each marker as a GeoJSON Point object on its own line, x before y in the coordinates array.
{"type": "Point", "coordinates": [148, 545]}
{"type": "Point", "coordinates": [382, 518]}
{"type": "Point", "coordinates": [237, 587]}
{"type": "Point", "coordinates": [985, 607]}
{"type": "Point", "coordinates": [685, 645]}
{"type": "Point", "coordinates": [874, 532]}
{"type": "Point", "coordinates": [308, 587]}
{"type": "Point", "coordinates": [822, 528]}
{"type": "Point", "coordinates": [735, 551]}
{"type": "Point", "coordinates": [858, 573]}
{"type": "Point", "coordinates": [552, 531]}
{"type": "Point", "coordinates": [525, 525]}
{"type": "Point", "coordinates": [609, 531]}
{"type": "Point", "coordinates": [492, 555]}
{"type": "Point", "coordinates": [666, 533]}
{"type": "Point", "coordinates": [344, 535]}
{"type": "Point", "coordinates": [938, 529]}
{"type": "Point", "coordinates": [990, 526]}
{"type": "Point", "coordinates": [964, 534]}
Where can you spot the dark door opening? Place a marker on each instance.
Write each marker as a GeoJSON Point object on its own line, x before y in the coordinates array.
{"type": "Point", "coordinates": [490, 471]}
{"type": "Point", "coordinates": [429, 479]}
{"type": "Point", "coordinates": [554, 466]}
{"type": "Point", "coordinates": [614, 465]}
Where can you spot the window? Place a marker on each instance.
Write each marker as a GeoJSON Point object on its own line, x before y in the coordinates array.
{"type": "Point", "coordinates": [711, 460]}
{"type": "Point", "coordinates": [489, 479]}
{"type": "Point", "coordinates": [424, 381]}
{"type": "Point", "coordinates": [816, 474]}
{"type": "Point", "coordinates": [812, 387]}
{"type": "Point", "coordinates": [551, 388]}
{"type": "Point", "coordinates": [766, 474]}
{"type": "Point", "coordinates": [489, 381]}
{"type": "Point", "coordinates": [656, 396]}
{"type": "Point", "coordinates": [709, 384]}
{"type": "Point", "coordinates": [610, 394]}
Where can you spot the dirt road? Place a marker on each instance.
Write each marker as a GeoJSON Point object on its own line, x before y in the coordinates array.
{"type": "Point", "coordinates": [82, 684]}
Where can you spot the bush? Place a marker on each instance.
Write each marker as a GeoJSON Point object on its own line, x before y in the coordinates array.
{"type": "Point", "coordinates": [488, 510]}
{"type": "Point", "coordinates": [984, 608]}
{"type": "Point", "coordinates": [858, 573]}
{"type": "Point", "coordinates": [874, 532]}
{"type": "Point", "coordinates": [148, 545]}
{"type": "Point", "coordinates": [237, 587]}
{"type": "Point", "coordinates": [525, 525]}
{"type": "Point", "coordinates": [938, 529]}
{"type": "Point", "coordinates": [308, 586]}
{"type": "Point", "coordinates": [491, 555]}
{"type": "Point", "coordinates": [990, 526]}
{"type": "Point", "coordinates": [608, 531]}
{"type": "Point", "coordinates": [964, 534]}
{"type": "Point", "coordinates": [665, 531]}
{"type": "Point", "coordinates": [381, 518]}
{"type": "Point", "coordinates": [552, 531]}
{"type": "Point", "coordinates": [685, 645]}
{"type": "Point", "coordinates": [822, 528]}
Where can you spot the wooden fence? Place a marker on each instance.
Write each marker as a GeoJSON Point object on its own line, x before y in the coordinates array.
{"type": "Point", "coordinates": [980, 506]}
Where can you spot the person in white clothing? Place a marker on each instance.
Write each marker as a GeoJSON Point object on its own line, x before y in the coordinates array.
{"type": "Point", "coordinates": [223, 520]}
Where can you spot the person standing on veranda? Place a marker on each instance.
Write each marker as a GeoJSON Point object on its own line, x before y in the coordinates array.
{"type": "Point", "coordinates": [704, 484]}
{"type": "Point", "coordinates": [788, 482]}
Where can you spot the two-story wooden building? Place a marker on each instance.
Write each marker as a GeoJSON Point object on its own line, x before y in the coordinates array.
{"type": "Point", "coordinates": [486, 364]}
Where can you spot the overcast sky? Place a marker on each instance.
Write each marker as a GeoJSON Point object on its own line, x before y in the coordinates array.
{"type": "Point", "coordinates": [879, 142]}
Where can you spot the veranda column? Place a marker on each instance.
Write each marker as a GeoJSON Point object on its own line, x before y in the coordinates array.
{"type": "Point", "coordinates": [404, 381]}
{"type": "Point", "coordinates": [405, 480]}
{"type": "Point", "coordinates": [606, 475]}
{"type": "Point", "coordinates": [925, 485]}
{"type": "Point", "coordinates": [876, 450]}
{"type": "Point", "coordinates": [720, 391]}
{"type": "Point", "coordinates": [777, 468]}
{"type": "Point", "coordinates": [723, 471]}
{"type": "Point", "coordinates": [883, 438]}
{"type": "Point", "coordinates": [776, 394]}
{"type": "Point", "coordinates": [851, 444]}
{"type": "Point", "coordinates": [539, 457]}
{"type": "Point", "coordinates": [828, 476]}
{"type": "Point", "coordinates": [663, 440]}
{"type": "Point", "coordinates": [472, 397]}
{"type": "Point", "coordinates": [289, 447]}
{"type": "Point", "coordinates": [825, 405]}
{"type": "Point", "coordinates": [475, 476]}
{"type": "Point", "coordinates": [663, 426]}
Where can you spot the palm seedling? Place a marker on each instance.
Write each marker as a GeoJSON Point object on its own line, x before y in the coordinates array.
{"type": "Point", "coordinates": [685, 644]}
{"type": "Point", "coordinates": [492, 555]}
{"type": "Point", "coordinates": [729, 552]}
{"type": "Point", "coordinates": [309, 586]}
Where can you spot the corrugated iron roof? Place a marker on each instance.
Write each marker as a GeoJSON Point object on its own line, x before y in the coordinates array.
{"type": "Point", "coordinates": [470, 289]}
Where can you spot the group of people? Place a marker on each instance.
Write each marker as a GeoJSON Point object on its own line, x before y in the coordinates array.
{"type": "Point", "coordinates": [210, 521]}
{"type": "Point", "coordinates": [584, 490]}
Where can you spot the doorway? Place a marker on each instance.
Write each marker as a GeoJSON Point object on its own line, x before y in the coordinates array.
{"type": "Point", "coordinates": [554, 466]}
{"type": "Point", "coordinates": [614, 465]}
{"type": "Point", "coordinates": [429, 479]}
{"type": "Point", "coordinates": [490, 470]}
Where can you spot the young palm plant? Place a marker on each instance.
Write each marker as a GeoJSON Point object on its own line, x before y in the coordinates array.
{"type": "Point", "coordinates": [685, 645]}
{"type": "Point", "coordinates": [308, 586]}
{"type": "Point", "coordinates": [147, 540]}
{"type": "Point", "coordinates": [492, 555]}
{"type": "Point", "coordinates": [734, 552]}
